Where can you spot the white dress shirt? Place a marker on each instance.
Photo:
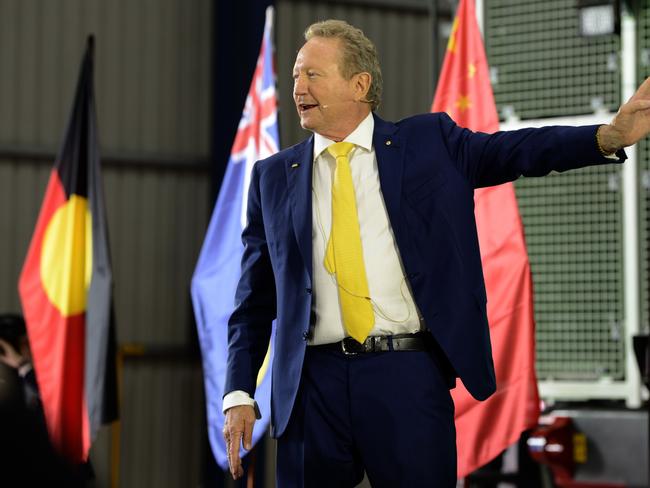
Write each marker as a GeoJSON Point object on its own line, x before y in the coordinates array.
{"type": "Point", "coordinates": [393, 305]}
{"type": "Point", "coordinates": [395, 311]}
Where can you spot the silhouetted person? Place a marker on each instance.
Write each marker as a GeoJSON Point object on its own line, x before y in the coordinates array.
{"type": "Point", "coordinates": [27, 458]}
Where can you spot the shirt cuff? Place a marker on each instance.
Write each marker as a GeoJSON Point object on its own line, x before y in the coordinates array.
{"type": "Point", "coordinates": [237, 398]}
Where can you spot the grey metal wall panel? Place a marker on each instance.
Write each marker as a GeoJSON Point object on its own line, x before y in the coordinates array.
{"type": "Point", "coordinates": [8, 54]}
{"type": "Point", "coordinates": [162, 416]}
{"type": "Point", "coordinates": [157, 220]}
{"type": "Point", "coordinates": [404, 38]}
{"type": "Point", "coordinates": [153, 100]}
{"type": "Point", "coordinates": [152, 72]}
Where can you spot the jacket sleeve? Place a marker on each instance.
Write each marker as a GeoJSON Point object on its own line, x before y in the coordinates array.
{"type": "Point", "coordinates": [492, 159]}
{"type": "Point", "coordinates": [250, 325]}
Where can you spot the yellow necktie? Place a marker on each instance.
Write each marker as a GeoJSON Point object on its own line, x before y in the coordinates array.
{"type": "Point", "coordinates": [344, 255]}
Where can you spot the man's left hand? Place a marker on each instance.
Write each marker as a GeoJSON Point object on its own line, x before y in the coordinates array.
{"type": "Point", "coordinates": [238, 431]}
{"type": "Point", "coordinates": [631, 123]}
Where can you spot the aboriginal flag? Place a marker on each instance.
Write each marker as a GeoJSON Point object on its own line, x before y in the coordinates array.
{"type": "Point", "coordinates": [66, 287]}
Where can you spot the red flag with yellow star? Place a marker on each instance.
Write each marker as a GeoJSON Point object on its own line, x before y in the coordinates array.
{"type": "Point", "coordinates": [484, 429]}
{"type": "Point", "coordinates": [66, 288]}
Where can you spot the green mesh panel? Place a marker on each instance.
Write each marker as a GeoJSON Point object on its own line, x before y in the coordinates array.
{"type": "Point", "coordinates": [574, 238]}
{"type": "Point", "coordinates": [541, 66]}
{"type": "Point", "coordinates": [643, 155]}
{"type": "Point", "coordinates": [573, 221]}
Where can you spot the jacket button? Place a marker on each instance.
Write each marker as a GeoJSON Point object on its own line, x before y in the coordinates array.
{"type": "Point", "coordinates": [308, 290]}
{"type": "Point", "coordinates": [305, 336]}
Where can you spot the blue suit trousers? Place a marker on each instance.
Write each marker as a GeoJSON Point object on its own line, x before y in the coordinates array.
{"type": "Point", "coordinates": [389, 414]}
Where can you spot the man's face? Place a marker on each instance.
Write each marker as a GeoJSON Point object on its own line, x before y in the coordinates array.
{"type": "Point", "coordinates": [326, 102]}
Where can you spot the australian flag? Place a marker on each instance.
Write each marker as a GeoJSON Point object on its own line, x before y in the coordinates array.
{"type": "Point", "coordinates": [218, 269]}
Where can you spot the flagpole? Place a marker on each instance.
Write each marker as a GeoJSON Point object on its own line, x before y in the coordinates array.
{"type": "Point", "coordinates": [250, 476]}
{"type": "Point", "coordinates": [478, 5]}
{"type": "Point", "coordinates": [116, 428]}
{"type": "Point", "coordinates": [90, 43]}
{"type": "Point", "coordinates": [631, 264]}
{"type": "Point", "coordinates": [126, 350]}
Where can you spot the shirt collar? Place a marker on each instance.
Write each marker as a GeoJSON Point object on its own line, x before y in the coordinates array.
{"type": "Point", "coordinates": [361, 136]}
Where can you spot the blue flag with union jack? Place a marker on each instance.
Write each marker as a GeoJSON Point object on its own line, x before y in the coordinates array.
{"type": "Point", "coordinates": [218, 269]}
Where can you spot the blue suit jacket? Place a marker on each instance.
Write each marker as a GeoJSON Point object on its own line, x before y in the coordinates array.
{"type": "Point", "coordinates": [428, 169]}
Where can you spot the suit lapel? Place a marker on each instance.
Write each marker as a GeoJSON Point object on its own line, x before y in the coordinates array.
{"type": "Point", "coordinates": [390, 162]}
{"type": "Point", "coordinates": [298, 167]}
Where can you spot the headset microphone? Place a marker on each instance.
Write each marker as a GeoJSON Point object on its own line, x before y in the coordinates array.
{"type": "Point", "coordinates": [326, 106]}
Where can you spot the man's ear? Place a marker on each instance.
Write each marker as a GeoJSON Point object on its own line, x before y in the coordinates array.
{"type": "Point", "coordinates": [362, 85]}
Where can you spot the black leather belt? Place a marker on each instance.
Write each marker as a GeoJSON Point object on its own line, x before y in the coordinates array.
{"type": "Point", "coordinates": [420, 341]}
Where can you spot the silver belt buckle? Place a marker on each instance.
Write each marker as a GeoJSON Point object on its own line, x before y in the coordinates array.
{"type": "Point", "coordinates": [345, 351]}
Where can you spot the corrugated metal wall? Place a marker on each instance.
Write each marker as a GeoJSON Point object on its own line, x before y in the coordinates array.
{"type": "Point", "coordinates": [153, 98]}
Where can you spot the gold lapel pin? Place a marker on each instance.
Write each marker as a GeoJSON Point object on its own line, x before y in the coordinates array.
{"type": "Point", "coordinates": [389, 142]}
{"type": "Point", "coordinates": [295, 165]}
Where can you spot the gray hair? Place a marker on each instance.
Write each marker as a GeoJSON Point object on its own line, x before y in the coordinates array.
{"type": "Point", "coordinates": [359, 54]}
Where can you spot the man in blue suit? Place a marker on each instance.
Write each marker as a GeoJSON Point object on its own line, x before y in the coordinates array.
{"type": "Point", "coordinates": [347, 399]}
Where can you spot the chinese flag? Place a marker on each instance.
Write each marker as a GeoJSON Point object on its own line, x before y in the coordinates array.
{"type": "Point", "coordinates": [65, 288]}
{"type": "Point", "coordinates": [484, 429]}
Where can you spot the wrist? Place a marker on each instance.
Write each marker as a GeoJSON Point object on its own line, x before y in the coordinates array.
{"type": "Point", "coordinates": [608, 140]}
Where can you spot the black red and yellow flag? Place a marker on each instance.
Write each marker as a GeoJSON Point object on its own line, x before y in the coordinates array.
{"type": "Point", "coordinates": [66, 287]}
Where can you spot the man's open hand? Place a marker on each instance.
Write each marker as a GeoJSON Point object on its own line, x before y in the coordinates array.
{"type": "Point", "coordinates": [631, 123]}
{"type": "Point", "coordinates": [238, 431]}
